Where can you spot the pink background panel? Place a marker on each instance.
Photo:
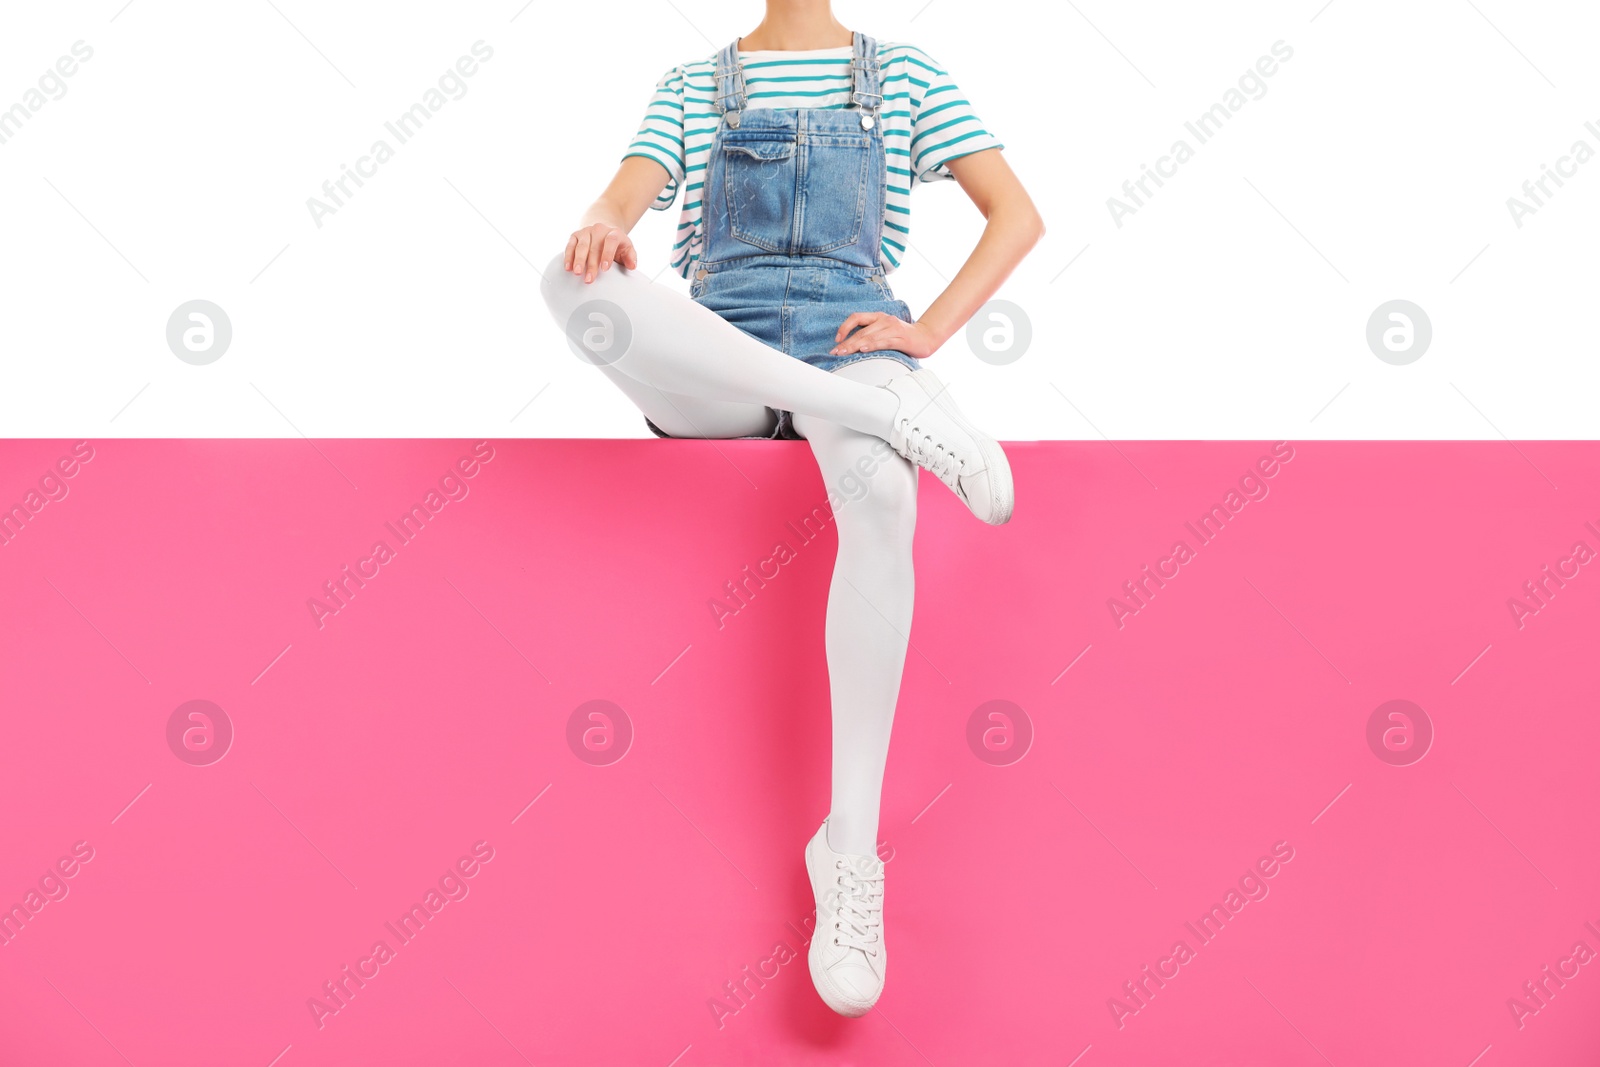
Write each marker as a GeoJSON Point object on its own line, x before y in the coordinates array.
{"type": "Point", "coordinates": [1159, 759]}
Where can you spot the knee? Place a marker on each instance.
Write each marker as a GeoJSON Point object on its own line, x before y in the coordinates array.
{"type": "Point", "coordinates": [884, 504]}
{"type": "Point", "coordinates": [557, 287]}
{"type": "Point", "coordinates": [564, 292]}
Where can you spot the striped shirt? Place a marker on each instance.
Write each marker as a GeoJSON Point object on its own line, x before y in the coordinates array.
{"type": "Point", "coordinates": [926, 123]}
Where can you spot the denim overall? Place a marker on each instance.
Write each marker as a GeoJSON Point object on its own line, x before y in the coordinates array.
{"type": "Point", "coordinates": [793, 218]}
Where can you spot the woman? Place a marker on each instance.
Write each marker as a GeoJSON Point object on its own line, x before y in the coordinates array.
{"type": "Point", "coordinates": [796, 147]}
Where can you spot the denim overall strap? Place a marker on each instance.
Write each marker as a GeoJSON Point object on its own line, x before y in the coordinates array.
{"type": "Point", "coordinates": [727, 85]}
{"type": "Point", "coordinates": [866, 79]}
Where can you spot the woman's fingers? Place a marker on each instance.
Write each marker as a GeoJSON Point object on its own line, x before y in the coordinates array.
{"type": "Point", "coordinates": [580, 253]}
{"type": "Point", "coordinates": [608, 248]}
{"type": "Point", "coordinates": [877, 331]}
{"type": "Point", "coordinates": [593, 249]}
{"type": "Point", "coordinates": [860, 318]}
{"type": "Point", "coordinates": [592, 271]}
{"type": "Point", "coordinates": [627, 255]}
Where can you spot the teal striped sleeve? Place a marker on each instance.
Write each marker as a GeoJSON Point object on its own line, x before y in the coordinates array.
{"type": "Point", "coordinates": [660, 135]}
{"type": "Point", "coordinates": [943, 124]}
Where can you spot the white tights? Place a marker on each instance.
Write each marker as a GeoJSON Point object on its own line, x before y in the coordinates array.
{"type": "Point", "coordinates": [695, 375]}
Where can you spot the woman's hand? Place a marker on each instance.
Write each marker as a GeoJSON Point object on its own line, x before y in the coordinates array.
{"type": "Point", "coordinates": [880, 330]}
{"type": "Point", "coordinates": [594, 248]}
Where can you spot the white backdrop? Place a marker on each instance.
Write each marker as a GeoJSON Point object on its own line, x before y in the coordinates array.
{"type": "Point", "coordinates": [176, 161]}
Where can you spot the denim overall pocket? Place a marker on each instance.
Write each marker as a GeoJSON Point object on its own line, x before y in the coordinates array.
{"type": "Point", "coordinates": [760, 175]}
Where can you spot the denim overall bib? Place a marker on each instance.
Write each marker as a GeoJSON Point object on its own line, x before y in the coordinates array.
{"type": "Point", "coordinates": [793, 218]}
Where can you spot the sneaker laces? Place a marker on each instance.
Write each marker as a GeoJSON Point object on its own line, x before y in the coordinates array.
{"type": "Point", "coordinates": [922, 450]}
{"type": "Point", "coordinates": [858, 909]}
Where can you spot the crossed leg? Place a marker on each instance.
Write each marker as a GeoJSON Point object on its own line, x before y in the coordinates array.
{"type": "Point", "coordinates": [679, 349]}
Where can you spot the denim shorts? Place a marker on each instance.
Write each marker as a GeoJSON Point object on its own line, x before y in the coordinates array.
{"type": "Point", "coordinates": [796, 305]}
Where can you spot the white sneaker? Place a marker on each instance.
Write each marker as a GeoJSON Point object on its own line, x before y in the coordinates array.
{"type": "Point", "coordinates": [847, 955]}
{"type": "Point", "coordinates": [930, 431]}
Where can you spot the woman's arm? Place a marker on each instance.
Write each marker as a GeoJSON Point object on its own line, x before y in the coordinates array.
{"type": "Point", "coordinates": [1013, 228]}
{"type": "Point", "coordinates": [602, 237]}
